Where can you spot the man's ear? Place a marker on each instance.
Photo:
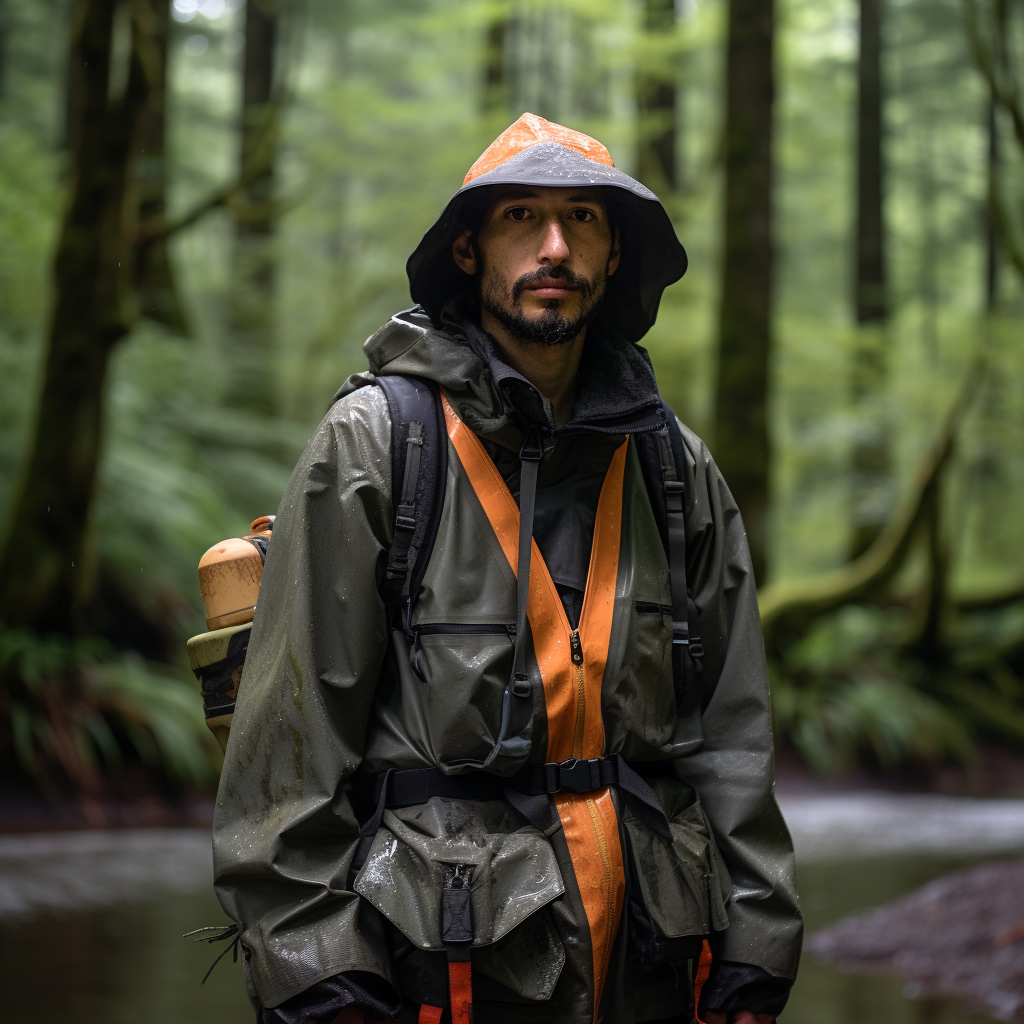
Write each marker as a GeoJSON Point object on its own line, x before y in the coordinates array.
{"type": "Point", "coordinates": [613, 256]}
{"type": "Point", "coordinates": [463, 254]}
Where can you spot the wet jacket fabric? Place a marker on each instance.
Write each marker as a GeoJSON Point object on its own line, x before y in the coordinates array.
{"type": "Point", "coordinates": [326, 691]}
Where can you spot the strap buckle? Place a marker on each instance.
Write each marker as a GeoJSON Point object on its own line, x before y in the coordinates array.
{"type": "Point", "coordinates": [681, 633]}
{"type": "Point", "coordinates": [577, 775]}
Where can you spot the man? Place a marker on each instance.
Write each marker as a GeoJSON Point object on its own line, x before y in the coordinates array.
{"type": "Point", "coordinates": [507, 883]}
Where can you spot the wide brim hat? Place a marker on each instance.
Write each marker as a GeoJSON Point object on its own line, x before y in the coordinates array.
{"type": "Point", "coordinates": [534, 151]}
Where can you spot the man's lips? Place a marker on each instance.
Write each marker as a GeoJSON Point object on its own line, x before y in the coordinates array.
{"type": "Point", "coordinates": [551, 288]}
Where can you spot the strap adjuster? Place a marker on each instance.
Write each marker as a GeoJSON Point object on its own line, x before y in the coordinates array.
{"type": "Point", "coordinates": [681, 633]}
{"type": "Point", "coordinates": [533, 449]}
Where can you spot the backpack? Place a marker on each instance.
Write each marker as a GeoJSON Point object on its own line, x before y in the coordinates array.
{"type": "Point", "coordinates": [419, 459]}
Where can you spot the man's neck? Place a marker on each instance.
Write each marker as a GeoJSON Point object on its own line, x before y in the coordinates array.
{"type": "Point", "coordinates": [551, 369]}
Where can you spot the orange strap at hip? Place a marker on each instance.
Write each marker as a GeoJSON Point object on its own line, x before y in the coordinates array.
{"type": "Point", "coordinates": [460, 987]}
{"type": "Point", "coordinates": [430, 1014]}
{"type": "Point", "coordinates": [703, 970]}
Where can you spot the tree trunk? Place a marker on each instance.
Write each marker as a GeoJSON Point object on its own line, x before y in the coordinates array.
{"type": "Point", "coordinates": [41, 560]}
{"type": "Point", "coordinates": [656, 97]}
{"type": "Point", "coordinates": [251, 374]}
{"type": "Point", "coordinates": [5, 35]}
{"type": "Point", "coordinates": [871, 299]}
{"type": "Point", "coordinates": [1000, 53]}
{"type": "Point", "coordinates": [742, 444]}
{"type": "Point", "coordinates": [871, 463]}
{"type": "Point", "coordinates": [154, 279]}
{"type": "Point", "coordinates": [495, 90]}
{"type": "Point", "coordinates": [991, 236]}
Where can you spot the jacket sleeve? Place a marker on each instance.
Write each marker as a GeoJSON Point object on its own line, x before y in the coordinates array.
{"type": "Point", "coordinates": [284, 833]}
{"type": "Point", "coordinates": [734, 772]}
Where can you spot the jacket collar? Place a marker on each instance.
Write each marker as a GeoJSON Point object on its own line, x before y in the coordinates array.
{"type": "Point", "coordinates": [616, 391]}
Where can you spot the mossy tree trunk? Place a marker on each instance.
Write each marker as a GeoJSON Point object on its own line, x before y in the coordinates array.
{"type": "Point", "coordinates": [871, 288]}
{"type": "Point", "coordinates": [872, 498]}
{"type": "Point", "coordinates": [656, 100]}
{"type": "Point", "coordinates": [741, 440]}
{"type": "Point", "coordinates": [42, 558]}
{"type": "Point", "coordinates": [252, 354]}
{"type": "Point", "coordinates": [154, 279]}
{"type": "Point", "coordinates": [494, 86]}
{"type": "Point", "coordinates": [1000, 27]}
{"type": "Point", "coordinates": [5, 30]}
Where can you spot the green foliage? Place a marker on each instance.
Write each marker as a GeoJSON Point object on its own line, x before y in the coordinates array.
{"type": "Point", "coordinates": [388, 110]}
{"type": "Point", "coordinates": [844, 692]}
{"type": "Point", "coordinates": [75, 708]}
{"type": "Point", "coordinates": [851, 689]}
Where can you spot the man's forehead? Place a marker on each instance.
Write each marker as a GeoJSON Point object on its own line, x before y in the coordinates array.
{"type": "Point", "coordinates": [562, 194]}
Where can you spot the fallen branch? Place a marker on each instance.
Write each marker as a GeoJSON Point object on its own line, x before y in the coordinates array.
{"type": "Point", "coordinates": [794, 602]}
{"type": "Point", "coordinates": [987, 602]}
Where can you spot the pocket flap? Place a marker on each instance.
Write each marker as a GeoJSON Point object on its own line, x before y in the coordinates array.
{"type": "Point", "coordinates": [528, 962]}
{"type": "Point", "coordinates": [513, 873]}
{"type": "Point", "coordinates": [681, 883]}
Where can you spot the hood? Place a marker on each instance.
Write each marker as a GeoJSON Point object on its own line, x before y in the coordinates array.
{"type": "Point", "coordinates": [534, 151]}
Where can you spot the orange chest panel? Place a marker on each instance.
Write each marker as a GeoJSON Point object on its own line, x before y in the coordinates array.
{"type": "Point", "coordinates": [572, 665]}
{"type": "Point", "coordinates": [571, 662]}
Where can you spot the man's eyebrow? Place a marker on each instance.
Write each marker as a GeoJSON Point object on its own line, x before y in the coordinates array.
{"type": "Point", "coordinates": [583, 198]}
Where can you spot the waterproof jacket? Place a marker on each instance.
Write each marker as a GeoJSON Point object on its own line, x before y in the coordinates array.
{"type": "Point", "coordinates": [326, 691]}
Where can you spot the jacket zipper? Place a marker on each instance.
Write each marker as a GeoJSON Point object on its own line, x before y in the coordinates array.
{"type": "Point", "coordinates": [575, 647]}
{"type": "Point", "coordinates": [576, 653]}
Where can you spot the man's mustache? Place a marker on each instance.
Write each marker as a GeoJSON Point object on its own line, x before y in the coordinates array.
{"type": "Point", "coordinates": [577, 281]}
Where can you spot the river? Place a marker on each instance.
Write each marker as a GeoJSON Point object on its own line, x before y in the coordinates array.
{"type": "Point", "coordinates": [90, 922]}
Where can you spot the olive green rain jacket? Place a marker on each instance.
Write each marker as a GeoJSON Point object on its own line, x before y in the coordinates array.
{"type": "Point", "coordinates": [326, 692]}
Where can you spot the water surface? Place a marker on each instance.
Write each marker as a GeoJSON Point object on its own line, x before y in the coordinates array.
{"type": "Point", "coordinates": [90, 923]}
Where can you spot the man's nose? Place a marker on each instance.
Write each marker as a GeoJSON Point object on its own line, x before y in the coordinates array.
{"type": "Point", "coordinates": [553, 250]}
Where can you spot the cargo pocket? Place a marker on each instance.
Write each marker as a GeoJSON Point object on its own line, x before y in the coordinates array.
{"type": "Point", "coordinates": [513, 876]}
{"type": "Point", "coordinates": [678, 890]}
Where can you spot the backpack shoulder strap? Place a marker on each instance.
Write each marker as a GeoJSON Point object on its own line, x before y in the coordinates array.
{"type": "Point", "coordinates": [419, 468]}
{"type": "Point", "coordinates": [663, 463]}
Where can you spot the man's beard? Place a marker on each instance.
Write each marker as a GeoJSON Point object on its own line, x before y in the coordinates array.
{"type": "Point", "coordinates": [551, 327]}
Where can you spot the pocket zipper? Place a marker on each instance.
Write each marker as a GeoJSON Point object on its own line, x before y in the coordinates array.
{"type": "Point", "coordinates": [650, 608]}
{"type": "Point", "coordinates": [466, 629]}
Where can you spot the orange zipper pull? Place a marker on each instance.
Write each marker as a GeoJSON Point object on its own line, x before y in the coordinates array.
{"type": "Point", "coordinates": [576, 647]}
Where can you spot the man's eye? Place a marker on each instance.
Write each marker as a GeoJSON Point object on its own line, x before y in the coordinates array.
{"type": "Point", "coordinates": [583, 216]}
{"type": "Point", "coordinates": [517, 213]}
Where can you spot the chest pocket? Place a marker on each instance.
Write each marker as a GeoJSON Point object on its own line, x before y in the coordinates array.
{"type": "Point", "coordinates": [465, 667]}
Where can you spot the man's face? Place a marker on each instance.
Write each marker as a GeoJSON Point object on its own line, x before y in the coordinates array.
{"type": "Point", "coordinates": [542, 259]}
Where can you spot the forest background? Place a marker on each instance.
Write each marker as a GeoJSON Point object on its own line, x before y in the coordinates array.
{"type": "Point", "coordinates": [206, 207]}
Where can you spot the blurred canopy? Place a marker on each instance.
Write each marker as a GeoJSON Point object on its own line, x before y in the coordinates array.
{"type": "Point", "coordinates": [300, 150]}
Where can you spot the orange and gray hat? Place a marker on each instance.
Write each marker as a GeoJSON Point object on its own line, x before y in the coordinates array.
{"type": "Point", "coordinates": [534, 151]}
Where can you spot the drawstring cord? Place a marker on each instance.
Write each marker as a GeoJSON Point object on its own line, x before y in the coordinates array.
{"type": "Point", "coordinates": [231, 931]}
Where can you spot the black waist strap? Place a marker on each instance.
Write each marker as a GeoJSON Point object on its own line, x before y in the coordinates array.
{"type": "Point", "coordinates": [417, 785]}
